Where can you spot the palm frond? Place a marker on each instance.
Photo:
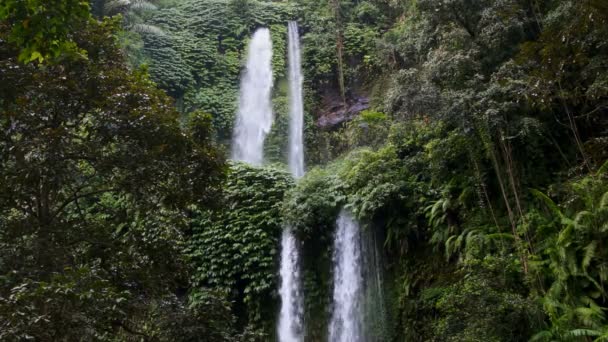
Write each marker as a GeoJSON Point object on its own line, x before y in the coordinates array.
{"type": "Point", "coordinates": [121, 6]}
{"type": "Point", "coordinates": [143, 5]}
{"type": "Point", "coordinates": [147, 29]}
{"type": "Point", "coordinates": [115, 6]}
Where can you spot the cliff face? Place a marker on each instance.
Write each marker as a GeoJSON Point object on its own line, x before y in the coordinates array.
{"type": "Point", "coordinates": [334, 111]}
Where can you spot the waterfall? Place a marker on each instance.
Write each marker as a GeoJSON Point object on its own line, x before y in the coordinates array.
{"type": "Point", "coordinates": [359, 307]}
{"type": "Point", "coordinates": [290, 320]}
{"type": "Point", "coordinates": [290, 325]}
{"type": "Point", "coordinates": [296, 107]}
{"type": "Point", "coordinates": [346, 322]}
{"type": "Point", "coordinates": [254, 117]}
{"type": "Point", "coordinates": [376, 315]}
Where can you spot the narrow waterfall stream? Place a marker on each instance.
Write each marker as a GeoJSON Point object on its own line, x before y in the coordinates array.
{"type": "Point", "coordinates": [296, 106]}
{"type": "Point", "coordinates": [359, 312]}
{"type": "Point", "coordinates": [254, 117]}
{"type": "Point", "coordinates": [290, 326]}
{"type": "Point", "coordinates": [347, 317]}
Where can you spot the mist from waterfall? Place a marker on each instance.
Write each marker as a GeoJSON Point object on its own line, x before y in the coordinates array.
{"type": "Point", "coordinates": [290, 326]}
{"type": "Point", "coordinates": [254, 118]}
{"type": "Point", "coordinates": [347, 317]}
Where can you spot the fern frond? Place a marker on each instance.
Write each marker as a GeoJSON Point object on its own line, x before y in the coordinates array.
{"type": "Point", "coordinates": [470, 237]}
{"type": "Point", "coordinates": [564, 237]}
{"type": "Point", "coordinates": [450, 246]}
{"type": "Point", "coordinates": [604, 201]}
{"type": "Point", "coordinates": [589, 316]}
{"type": "Point", "coordinates": [589, 255]}
{"type": "Point", "coordinates": [544, 335]}
{"type": "Point", "coordinates": [603, 338]}
{"type": "Point", "coordinates": [603, 169]}
{"type": "Point", "coordinates": [582, 333]}
{"type": "Point", "coordinates": [436, 207]}
{"type": "Point", "coordinates": [582, 218]}
{"type": "Point", "coordinates": [446, 205]}
{"type": "Point", "coordinates": [548, 202]}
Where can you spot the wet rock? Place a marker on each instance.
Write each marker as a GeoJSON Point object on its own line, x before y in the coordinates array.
{"type": "Point", "coordinates": [335, 111]}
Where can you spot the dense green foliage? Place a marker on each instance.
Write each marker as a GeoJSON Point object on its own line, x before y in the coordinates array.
{"type": "Point", "coordinates": [471, 136]}
{"type": "Point", "coordinates": [485, 101]}
{"type": "Point", "coordinates": [96, 174]}
{"type": "Point", "coordinates": [43, 29]}
{"type": "Point", "coordinates": [198, 58]}
{"type": "Point", "coordinates": [234, 248]}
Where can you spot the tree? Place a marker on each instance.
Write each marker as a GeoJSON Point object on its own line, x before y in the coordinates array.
{"type": "Point", "coordinates": [96, 174]}
{"type": "Point", "coordinates": [43, 29]}
{"type": "Point", "coordinates": [132, 12]}
{"type": "Point", "coordinates": [235, 251]}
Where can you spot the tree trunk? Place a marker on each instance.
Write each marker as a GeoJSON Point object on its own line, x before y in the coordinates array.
{"type": "Point", "coordinates": [340, 48]}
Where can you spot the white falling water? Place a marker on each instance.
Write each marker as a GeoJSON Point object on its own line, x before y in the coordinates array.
{"type": "Point", "coordinates": [290, 326]}
{"type": "Point", "coordinates": [376, 320]}
{"type": "Point", "coordinates": [296, 107]}
{"type": "Point", "coordinates": [254, 118]}
{"type": "Point", "coordinates": [346, 322]}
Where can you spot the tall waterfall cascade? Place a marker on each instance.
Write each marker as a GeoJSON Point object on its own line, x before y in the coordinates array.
{"type": "Point", "coordinates": [296, 106]}
{"type": "Point", "coordinates": [347, 317]}
{"type": "Point", "coordinates": [254, 117]}
{"type": "Point", "coordinates": [290, 326]}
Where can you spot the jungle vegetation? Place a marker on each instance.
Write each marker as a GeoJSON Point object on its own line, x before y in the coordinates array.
{"type": "Point", "coordinates": [480, 158]}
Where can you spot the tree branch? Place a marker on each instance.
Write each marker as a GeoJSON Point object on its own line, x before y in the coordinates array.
{"type": "Point", "coordinates": [76, 197]}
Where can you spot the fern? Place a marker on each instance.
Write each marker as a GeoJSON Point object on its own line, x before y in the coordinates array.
{"type": "Point", "coordinates": [588, 255]}
{"type": "Point", "coordinates": [548, 201]}
{"type": "Point", "coordinates": [603, 169]}
{"type": "Point", "coordinates": [544, 335]}
{"type": "Point", "coordinates": [602, 338]}
{"type": "Point", "coordinates": [582, 333]}
{"type": "Point", "coordinates": [604, 201]}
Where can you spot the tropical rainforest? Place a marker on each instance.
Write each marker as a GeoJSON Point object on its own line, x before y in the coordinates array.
{"type": "Point", "coordinates": [470, 137]}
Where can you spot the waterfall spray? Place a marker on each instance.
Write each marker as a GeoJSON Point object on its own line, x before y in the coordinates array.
{"type": "Point", "coordinates": [254, 117]}
{"type": "Point", "coordinates": [290, 326]}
